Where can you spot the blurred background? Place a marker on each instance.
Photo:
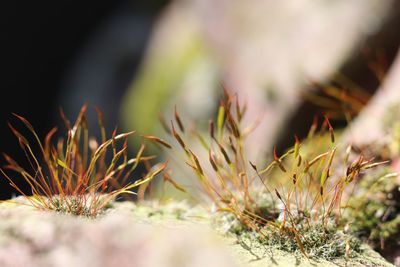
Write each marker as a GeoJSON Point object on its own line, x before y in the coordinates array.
{"type": "Point", "coordinates": [136, 59]}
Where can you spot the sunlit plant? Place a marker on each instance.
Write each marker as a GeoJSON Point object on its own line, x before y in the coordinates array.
{"type": "Point", "coordinates": [297, 198]}
{"type": "Point", "coordinates": [77, 174]}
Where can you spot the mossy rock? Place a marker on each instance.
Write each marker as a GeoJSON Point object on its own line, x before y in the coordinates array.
{"type": "Point", "coordinates": [149, 234]}
{"type": "Point", "coordinates": [246, 251]}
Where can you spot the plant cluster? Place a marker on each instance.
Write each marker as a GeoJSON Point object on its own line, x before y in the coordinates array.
{"type": "Point", "coordinates": [77, 175]}
{"type": "Point", "coordinates": [303, 195]}
{"type": "Point", "coordinates": [295, 202]}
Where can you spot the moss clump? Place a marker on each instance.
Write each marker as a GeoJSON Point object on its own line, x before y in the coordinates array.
{"type": "Point", "coordinates": [80, 205]}
{"type": "Point", "coordinates": [375, 216]}
{"type": "Point", "coordinates": [289, 203]}
{"type": "Point", "coordinates": [72, 206]}
{"type": "Point", "coordinates": [318, 241]}
{"type": "Point", "coordinates": [377, 222]}
{"type": "Point", "coordinates": [78, 174]}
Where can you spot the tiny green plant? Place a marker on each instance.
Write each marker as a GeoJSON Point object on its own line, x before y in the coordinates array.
{"type": "Point", "coordinates": [299, 196]}
{"type": "Point", "coordinates": [74, 175]}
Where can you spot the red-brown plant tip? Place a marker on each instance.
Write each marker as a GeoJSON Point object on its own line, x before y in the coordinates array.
{"type": "Point", "coordinates": [7, 158]}
{"type": "Point", "coordinates": [21, 139]}
{"type": "Point", "coordinates": [212, 161]}
{"type": "Point", "coordinates": [157, 140]}
{"type": "Point", "coordinates": [276, 158]}
{"type": "Point", "coordinates": [238, 110]}
{"type": "Point", "coordinates": [227, 98]}
{"type": "Point", "coordinates": [281, 166]}
{"type": "Point", "coordinates": [297, 140]}
{"type": "Point", "coordinates": [211, 128]}
{"type": "Point", "coordinates": [100, 122]}
{"type": "Point", "coordinates": [178, 121]}
{"type": "Point", "coordinates": [278, 195]}
{"type": "Point", "coordinates": [278, 161]}
{"type": "Point", "coordinates": [84, 122]}
{"type": "Point", "coordinates": [225, 106]}
{"type": "Point", "coordinates": [294, 178]}
{"type": "Point", "coordinates": [222, 104]}
{"type": "Point", "coordinates": [64, 119]}
{"type": "Point", "coordinates": [296, 146]}
{"type": "Point", "coordinates": [223, 151]}
{"type": "Point", "coordinates": [99, 116]}
{"type": "Point", "coordinates": [232, 145]}
{"type": "Point", "coordinates": [275, 154]}
{"type": "Point", "coordinates": [114, 133]}
{"type": "Point", "coordinates": [233, 125]}
{"type": "Point", "coordinates": [125, 144]}
{"type": "Point", "coordinates": [331, 131]}
{"type": "Point", "coordinates": [177, 137]}
{"type": "Point", "coordinates": [196, 161]}
{"type": "Point", "coordinates": [27, 124]}
{"type": "Point", "coordinates": [191, 166]}
{"type": "Point", "coordinates": [299, 160]}
{"type": "Point", "coordinates": [253, 166]}
{"type": "Point", "coordinates": [167, 178]}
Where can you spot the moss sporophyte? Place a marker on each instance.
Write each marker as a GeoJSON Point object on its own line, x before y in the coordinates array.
{"type": "Point", "coordinates": [77, 175]}
{"type": "Point", "coordinates": [300, 201]}
{"type": "Point", "coordinates": [295, 202]}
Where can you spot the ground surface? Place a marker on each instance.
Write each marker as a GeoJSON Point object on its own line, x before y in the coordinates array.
{"type": "Point", "coordinates": [131, 235]}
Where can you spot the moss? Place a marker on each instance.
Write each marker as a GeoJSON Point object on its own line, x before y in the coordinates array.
{"type": "Point", "coordinates": [375, 214]}
{"type": "Point", "coordinates": [319, 241]}
{"type": "Point", "coordinates": [79, 206]}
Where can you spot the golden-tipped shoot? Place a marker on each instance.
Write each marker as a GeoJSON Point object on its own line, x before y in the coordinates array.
{"type": "Point", "coordinates": [78, 175]}
{"type": "Point", "coordinates": [304, 187]}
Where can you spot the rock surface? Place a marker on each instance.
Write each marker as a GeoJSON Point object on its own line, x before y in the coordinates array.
{"type": "Point", "coordinates": [131, 235]}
